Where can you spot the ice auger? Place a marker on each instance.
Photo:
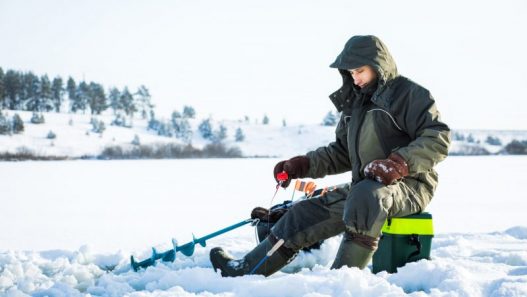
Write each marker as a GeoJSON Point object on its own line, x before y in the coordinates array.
{"type": "Point", "coordinates": [187, 249]}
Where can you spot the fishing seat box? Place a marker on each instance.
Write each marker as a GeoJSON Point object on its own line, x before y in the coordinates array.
{"type": "Point", "coordinates": [403, 240]}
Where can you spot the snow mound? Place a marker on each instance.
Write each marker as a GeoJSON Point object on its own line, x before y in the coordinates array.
{"type": "Point", "coordinates": [517, 232]}
{"type": "Point", "coordinates": [485, 264]}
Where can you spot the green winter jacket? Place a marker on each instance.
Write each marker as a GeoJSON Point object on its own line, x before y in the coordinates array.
{"type": "Point", "coordinates": [397, 116]}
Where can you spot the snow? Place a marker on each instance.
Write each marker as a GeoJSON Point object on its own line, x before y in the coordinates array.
{"type": "Point", "coordinates": [69, 227]}
{"type": "Point", "coordinates": [463, 265]}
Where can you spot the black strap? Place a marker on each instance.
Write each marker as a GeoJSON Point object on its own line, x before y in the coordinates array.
{"type": "Point", "coordinates": [414, 240]}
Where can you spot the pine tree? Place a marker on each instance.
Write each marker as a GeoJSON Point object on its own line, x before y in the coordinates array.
{"type": "Point", "coordinates": [102, 127]}
{"type": "Point", "coordinates": [98, 126]}
{"type": "Point", "coordinates": [31, 92]}
{"type": "Point", "coordinates": [184, 130]}
{"type": "Point", "coordinates": [51, 135]}
{"type": "Point", "coordinates": [136, 140]}
{"type": "Point", "coordinates": [81, 97]}
{"type": "Point", "coordinates": [120, 120]}
{"type": "Point", "coordinates": [97, 98]}
{"type": "Point", "coordinates": [115, 100]}
{"type": "Point", "coordinates": [493, 140]}
{"type": "Point", "coordinates": [71, 88]}
{"type": "Point", "coordinates": [37, 118]}
{"type": "Point", "coordinates": [143, 104]}
{"type": "Point", "coordinates": [330, 119]}
{"type": "Point", "coordinates": [176, 115]}
{"type": "Point", "coordinates": [181, 126]}
{"type": "Point", "coordinates": [516, 147]}
{"type": "Point", "coordinates": [5, 127]}
{"type": "Point", "coordinates": [458, 136]}
{"type": "Point", "coordinates": [13, 89]}
{"type": "Point", "coordinates": [189, 112]}
{"type": "Point", "coordinates": [174, 120]}
{"type": "Point", "coordinates": [17, 124]}
{"type": "Point", "coordinates": [205, 129]}
{"type": "Point", "coordinates": [221, 134]}
{"type": "Point", "coordinates": [2, 90]}
{"type": "Point", "coordinates": [153, 123]}
{"type": "Point", "coordinates": [240, 136]}
{"type": "Point", "coordinates": [57, 92]}
{"type": "Point", "coordinates": [127, 101]}
{"type": "Point", "coordinates": [46, 95]}
{"type": "Point", "coordinates": [164, 129]}
{"type": "Point", "coordinates": [265, 120]}
{"type": "Point", "coordinates": [23, 92]}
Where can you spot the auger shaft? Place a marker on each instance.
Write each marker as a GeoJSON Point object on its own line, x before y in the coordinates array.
{"type": "Point", "coordinates": [187, 249]}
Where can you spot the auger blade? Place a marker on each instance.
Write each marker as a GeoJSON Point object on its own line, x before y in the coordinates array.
{"type": "Point", "coordinates": [186, 249]}
{"type": "Point", "coordinates": [169, 256]}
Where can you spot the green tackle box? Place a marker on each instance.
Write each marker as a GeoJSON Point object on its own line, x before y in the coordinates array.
{"type": "Point", "coordinates": [403, 240]}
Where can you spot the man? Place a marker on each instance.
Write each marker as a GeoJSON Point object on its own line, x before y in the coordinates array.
{"type": "Point", "coordinates": [390, 136]}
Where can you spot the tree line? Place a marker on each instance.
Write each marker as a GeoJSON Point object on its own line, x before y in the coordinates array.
{"type": "Point", "coordinates": [30, 92]}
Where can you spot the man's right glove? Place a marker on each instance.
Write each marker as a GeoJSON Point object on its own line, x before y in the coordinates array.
{"type": "Point", "coordinates": [296, 167]}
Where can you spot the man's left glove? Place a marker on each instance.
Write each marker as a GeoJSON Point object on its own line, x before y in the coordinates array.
{"type": "Point", "coordinates": [387, 171]}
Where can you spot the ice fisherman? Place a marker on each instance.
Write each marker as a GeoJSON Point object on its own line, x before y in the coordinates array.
{"type": "Point", "coordinates": [390, 136]}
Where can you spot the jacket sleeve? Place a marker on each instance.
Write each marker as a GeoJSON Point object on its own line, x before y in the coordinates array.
{"type": "Point", "coordinates": [333, 158]}
{"type": "Point", "coordinates": [430, 136]}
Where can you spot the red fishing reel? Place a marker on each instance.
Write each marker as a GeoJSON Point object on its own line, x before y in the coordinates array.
{"type": "Point", "coordinates": [282, 176]}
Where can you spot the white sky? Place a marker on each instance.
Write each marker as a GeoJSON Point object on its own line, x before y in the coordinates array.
{"type": "Point", "coordinates": [232, 58]}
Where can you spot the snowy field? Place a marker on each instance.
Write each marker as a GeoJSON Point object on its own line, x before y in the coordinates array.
{"type": "Point", "coordinates": [65, 223]}
{"type": "Point", "coordinates": [75, 137]}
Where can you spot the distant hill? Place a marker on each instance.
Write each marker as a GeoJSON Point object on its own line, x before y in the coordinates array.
{"type": "Point", "coordinates": [75, 137]}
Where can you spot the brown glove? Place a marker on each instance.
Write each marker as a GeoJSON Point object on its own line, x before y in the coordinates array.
{"type": "Point", "coordinates": [387, 171]}
{"type": "Point", "coordinates": [296, 167]}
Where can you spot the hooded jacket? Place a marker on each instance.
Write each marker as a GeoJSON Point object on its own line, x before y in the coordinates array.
{"type": "Point", "coordinates": [397, 115]}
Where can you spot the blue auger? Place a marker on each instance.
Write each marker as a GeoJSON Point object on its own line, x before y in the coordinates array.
{"type": "Point", "coordinates": [186, 249]}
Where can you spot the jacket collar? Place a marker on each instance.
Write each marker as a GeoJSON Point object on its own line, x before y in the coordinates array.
{"type": "Point", "coordinates": [344, 97]}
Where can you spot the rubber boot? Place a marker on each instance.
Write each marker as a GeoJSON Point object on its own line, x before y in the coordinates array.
{"type": "Point", "coordinates": [231, 267]}
{"type": "Point", "coordinates": [352, 254]}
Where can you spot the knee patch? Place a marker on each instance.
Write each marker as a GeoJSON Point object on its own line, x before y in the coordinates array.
{"type": "Point", "coordinates": [368, 203]}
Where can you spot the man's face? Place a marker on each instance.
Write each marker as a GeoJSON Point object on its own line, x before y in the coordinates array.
{"type": "Point", "coordinates": [363, 75]}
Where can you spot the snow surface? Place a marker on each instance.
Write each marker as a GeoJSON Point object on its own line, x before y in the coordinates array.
{"type": "Point", "coordinates": [66, 224]}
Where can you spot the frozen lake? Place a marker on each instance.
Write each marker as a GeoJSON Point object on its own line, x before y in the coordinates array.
{"type": "Point", "coordinates": [131, 205]}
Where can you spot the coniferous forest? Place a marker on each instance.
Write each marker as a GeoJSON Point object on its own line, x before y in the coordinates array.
{"type": "Point", "coordinates": [37, 93]}
{"type": "Point", "coordinates": [31, 92]}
